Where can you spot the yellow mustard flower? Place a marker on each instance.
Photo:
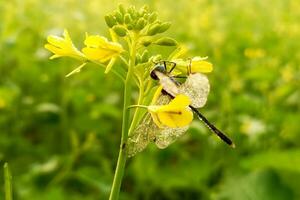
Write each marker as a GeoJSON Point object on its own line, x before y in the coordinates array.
{"type": "Point", "coordinates": [63, 47]}
{"type": "Point", "coordinates": [175, 114]}
{"type": "Point", "coordinates": [198, 65]}
{"type": "Point", "coordinates": [99, 49]}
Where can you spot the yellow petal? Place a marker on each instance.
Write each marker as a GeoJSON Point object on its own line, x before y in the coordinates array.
{"type": "Point", "coordinates": [201, 66]}
{"type": "Point", "coordinates": [54, 49]}
{"type": "Point", "coordinates": [67, 36]}
{"type": "Point", "coordinates": [95, 41]}
{"type": "Point", "coordinates": [175, 119]}
{"type": "Point", "coordinates": [179, 102]}
{"type": "Point", "coordinates": [97, 54]}
{"type": "Point", "coordinates": [55, 40]}
{"type": "Point", "coordinates": [63, 47]}
{"type": "Point", "coordinates": [175, 114]}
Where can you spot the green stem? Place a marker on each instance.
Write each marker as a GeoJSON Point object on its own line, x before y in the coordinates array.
{"type": "Point", "coordinates": [140, 101]}
{"type": "Point", "coordinates": [7, 183]}
{"type": "Point", "coordinates": [114, 193]}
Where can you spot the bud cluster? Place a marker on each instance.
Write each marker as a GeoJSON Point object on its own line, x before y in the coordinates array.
{"type": "Point", "coordinates": [142, 21]}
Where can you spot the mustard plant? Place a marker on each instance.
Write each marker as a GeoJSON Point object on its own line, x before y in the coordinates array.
{"type": "Point", "coordinates": [132, 32]}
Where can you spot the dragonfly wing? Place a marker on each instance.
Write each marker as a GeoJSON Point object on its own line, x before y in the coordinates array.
{"type": "Point", "coordinates": [142, 136]}
{"type": "Point", "coordinates": [146, 131]}
{"type": "Point", "coordinates": [196, 87]}
{"type": "Point", "coordinates": [167, 136]}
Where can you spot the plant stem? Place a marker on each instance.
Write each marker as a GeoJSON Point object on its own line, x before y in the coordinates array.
{"type": "Point", "coordinates": [7, 183]}
{"type": "Point", "coordinates": [114, 193]}
{"type": "Point", "coordinates": [135, 115]}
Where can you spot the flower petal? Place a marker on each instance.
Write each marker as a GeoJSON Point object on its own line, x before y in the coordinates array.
{"type": "Point", "coordinates": [201, 66]}
{"type": "Point", "coordinates": [175, 114]}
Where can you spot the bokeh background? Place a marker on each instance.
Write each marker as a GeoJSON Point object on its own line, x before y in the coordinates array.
{"type": "Point", "coordinates": [61, 135]}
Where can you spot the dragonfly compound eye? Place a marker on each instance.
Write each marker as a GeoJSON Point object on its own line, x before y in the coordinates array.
{"type": "Point", "coordinates": [159, 68]}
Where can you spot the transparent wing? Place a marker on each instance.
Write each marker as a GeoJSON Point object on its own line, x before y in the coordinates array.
{"type": "Point", "coordinates": [167, 136]}
{"type": "Point", "coordinates": [196, 87]}
{"type": "Point", "coordinates": [142, 136]}
{"type": "Point", "coordinates": [147, 131]}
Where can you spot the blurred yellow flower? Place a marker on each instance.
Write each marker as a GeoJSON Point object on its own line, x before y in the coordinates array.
{"type": "Point", "coordinates": [254, 53]}
{"type": "Point", "coordinates": [175, 114]}
{"type": "Point", "coordinates": [63, 47]}
{"type": "Point", "coordinates": [99, 49]}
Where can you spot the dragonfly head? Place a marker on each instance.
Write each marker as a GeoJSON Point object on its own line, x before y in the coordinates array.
{"type": "Point", "coordinates": [158, 67]}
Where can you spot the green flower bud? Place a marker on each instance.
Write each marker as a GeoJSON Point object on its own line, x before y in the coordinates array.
{"type": "Point", "coordinates": [153, 29]}
{"type": "Point", "coordinates": [152, 17]}
{"type": "Point", "coordinates": [129, 27]}
{"type": "Point", "coordinates": [140, 24]}
{"type": "Point", "coordinates": [122, 9]}
{"type": "Point", "coordinates": [143, 11]}
{"type": "Point", "coordinates": [132, 12]}
{"type": "Point", "coordinates": [110, 20]}
{"type": "Point", "coordinates": [164, 26]}
{"type": "Point", "coordinates": [120, 30]}
{"type": "Point", "coordinates": [166, 41]}
{"type": "Point", "coordinates": [127, 19]}
{"type": "Point", "coordinates": [119, 17]}
{"type": "Point", "coordinates": [146, 42]}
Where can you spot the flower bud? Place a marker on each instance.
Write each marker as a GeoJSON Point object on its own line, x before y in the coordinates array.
{"type": "Point", "coordinates": [164, 26]}
{"type": "Point", "coordinates": [152, 17]}
{"type": "Point", "coordinates": [140, 24]}
{"type": "Point", "coordinates": [119, 17]}
{"type": "Point", "coordinates": [146, 42]}
{"type": "Point", "coordinates": [122, 9]}
{"type": "Point", "coordinates": [153, 29]}
{"type": "Point", "coordinates": [166, 41]}
{"type": "Point", "coordinates": [120, 30]}
{"type": "Point", "coordinates": [110, 20]}
{"type": "Point", "coordinates": [127, 19]}
{"type": "Point", "coordinates": [132, 12]}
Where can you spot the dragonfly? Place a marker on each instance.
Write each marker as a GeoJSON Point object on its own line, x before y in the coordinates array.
{"type": "Point", "coordinates": [196, 87]}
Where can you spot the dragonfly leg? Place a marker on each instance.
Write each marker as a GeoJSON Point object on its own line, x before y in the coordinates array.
{"type": "Point", "coordinates": [173, 67]}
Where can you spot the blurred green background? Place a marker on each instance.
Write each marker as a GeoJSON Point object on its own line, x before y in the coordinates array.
{"type": "Point", "coordinates": [61, 135]}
